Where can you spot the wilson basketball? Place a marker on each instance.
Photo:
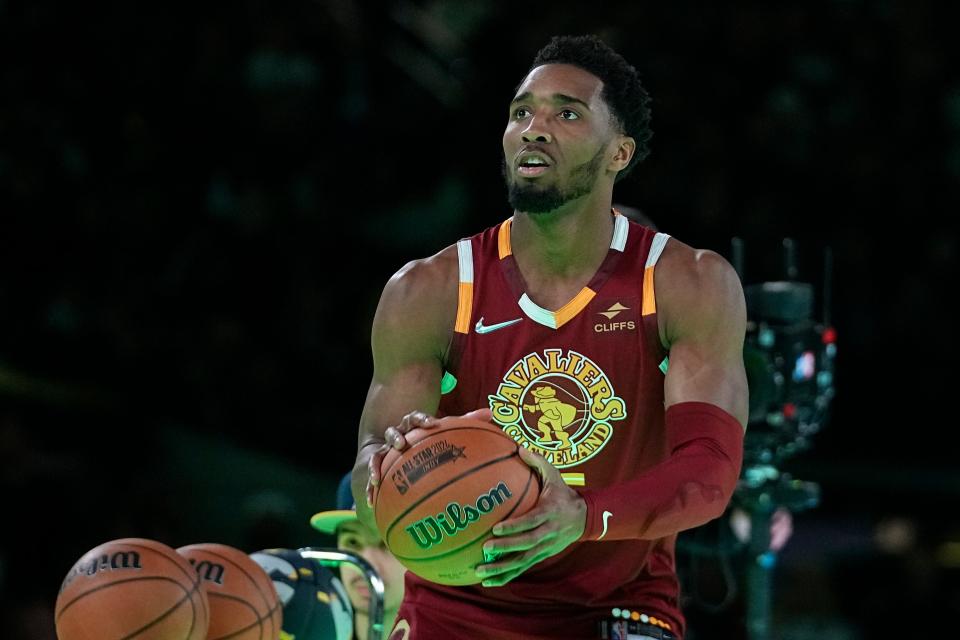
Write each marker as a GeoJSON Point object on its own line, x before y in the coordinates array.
{"type": "Point", "coordinates": [131, 588]}
{"type": "Point", "coordinates": [243, 601]}
{"type": "Point", "coordinates": [439, 499]}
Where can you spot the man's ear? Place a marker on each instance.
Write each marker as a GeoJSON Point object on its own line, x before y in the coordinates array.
{"type": "Point", "coordinates": [626, 147]}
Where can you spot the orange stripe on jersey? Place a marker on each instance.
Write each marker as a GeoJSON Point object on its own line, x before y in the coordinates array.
{"type": "Point", "coordinates": [503, 240]}
{"type": "Point", "coordinates": [649, 297]}
{"type": "Point", "coordinates": [575, 306]}
{"type": "Point", "coordinates": [464, 308]}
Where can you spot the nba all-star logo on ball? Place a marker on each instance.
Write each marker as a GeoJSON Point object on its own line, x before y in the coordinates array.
{"type": "Point", "coordinates": [558, 405]}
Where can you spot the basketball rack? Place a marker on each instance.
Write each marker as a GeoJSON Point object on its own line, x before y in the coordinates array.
{"type": "Point", "coordinates": [334, 558]}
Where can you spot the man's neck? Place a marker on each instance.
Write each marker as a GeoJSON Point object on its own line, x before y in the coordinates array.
{"type": "Point", "coordinates": [560, 251]}
{"type": "Point", "coordinates": [566, 243]}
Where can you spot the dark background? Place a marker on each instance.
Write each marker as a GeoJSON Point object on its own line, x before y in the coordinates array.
{"type": "Point", "coordinates": [200, 204]}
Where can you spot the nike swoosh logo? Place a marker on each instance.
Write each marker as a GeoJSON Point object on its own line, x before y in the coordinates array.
{"type": "Point", "coordinates": [481, 328]}
{"type": "Point", "coordinates": [606, 516]}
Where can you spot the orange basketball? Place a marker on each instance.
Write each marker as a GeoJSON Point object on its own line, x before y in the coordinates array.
{"type": "Point", "coordinates": [243, 601]}
{"type": "Point", "coordinates": [131, 588]}
{"type": "Point", "coordinates": [440, 498]}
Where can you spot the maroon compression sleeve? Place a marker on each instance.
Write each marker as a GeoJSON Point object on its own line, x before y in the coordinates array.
{"type": "Point", "coordinates": [687, 489]}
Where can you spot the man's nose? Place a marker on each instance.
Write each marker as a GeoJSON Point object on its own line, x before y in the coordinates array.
{"type": "Point", "coordinates": [536, 132]}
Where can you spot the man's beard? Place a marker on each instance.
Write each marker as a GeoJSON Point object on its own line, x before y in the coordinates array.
{"type": "Point", "coordinates": [531, 198]}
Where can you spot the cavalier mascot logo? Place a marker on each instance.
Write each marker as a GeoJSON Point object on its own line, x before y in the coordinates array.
{"type": "Point", "coordinates": [561, 406]}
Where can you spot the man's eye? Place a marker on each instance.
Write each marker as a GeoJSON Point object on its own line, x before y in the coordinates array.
{"type": "Point", "coordinates": [521, 112]}
{"type": "Point", "coordinates": [350, 543]}
{"type": "Point", "coordinates": [567, 114]}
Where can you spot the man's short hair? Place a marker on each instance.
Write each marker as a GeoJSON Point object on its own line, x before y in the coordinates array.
{"type": "Point", "coordinates": [628, 101]}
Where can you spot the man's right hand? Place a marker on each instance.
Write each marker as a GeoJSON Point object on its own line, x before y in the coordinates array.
{"type": "Point", "coordinates": [395, 439]}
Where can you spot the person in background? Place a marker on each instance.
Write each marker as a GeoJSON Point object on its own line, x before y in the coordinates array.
{"type": "Point", "coordinates": [357, 538]}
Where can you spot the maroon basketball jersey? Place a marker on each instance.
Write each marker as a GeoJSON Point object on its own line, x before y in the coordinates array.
{"type": "Point", "coordinates": [583, 387]}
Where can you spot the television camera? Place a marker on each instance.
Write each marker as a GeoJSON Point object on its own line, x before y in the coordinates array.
{"type": "Point", "coordinates": [789, 359]}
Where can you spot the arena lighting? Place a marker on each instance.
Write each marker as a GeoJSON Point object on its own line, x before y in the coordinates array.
{"type": "Point", "coordinates": [789, 359]}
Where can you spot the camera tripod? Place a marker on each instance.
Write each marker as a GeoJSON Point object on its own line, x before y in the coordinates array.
{"type": "Point", "coordinates": [763, 490]}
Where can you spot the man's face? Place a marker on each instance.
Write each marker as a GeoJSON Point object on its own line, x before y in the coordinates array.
{"type": "Point", "coordinates": [560, 138]}
{"type": "Point", "coordinates": [356, 538]}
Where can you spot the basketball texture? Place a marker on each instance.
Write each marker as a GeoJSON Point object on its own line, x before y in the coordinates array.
{"type": "Point", "coordinates": [135, 589]}
{"type": "Point", "coordinates": [440, 498]}
{"type": "Point", "coordinates": [243, 602]}
{"type": "Point", "coordinates": [315, 604]}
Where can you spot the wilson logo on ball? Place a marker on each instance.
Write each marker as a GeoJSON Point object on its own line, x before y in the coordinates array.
{"type": "Point", "coordinates": [208, 571]}
{"type": "Point", "coordinates": [118, 560]}
{"type": "Point", "coordinates": [430, 530]}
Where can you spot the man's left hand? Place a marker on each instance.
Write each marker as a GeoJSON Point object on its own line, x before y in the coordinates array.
{"type": "Point", "coordinates": [555, 521]}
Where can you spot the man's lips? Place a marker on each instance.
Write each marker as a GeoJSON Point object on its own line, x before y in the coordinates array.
{"type": "Point", "coordinates": [532, 161]}
{"type": "Point", "coordinates": [532, 171]}
{"type": "Point", "coordinates": [360, 586]}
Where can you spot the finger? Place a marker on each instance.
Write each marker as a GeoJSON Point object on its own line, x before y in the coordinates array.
{"type": "Point", "coordinates": [538, 462]}
{"type": "Point", "coordinates": [503, 564]}
{"type": "Point", "coordinates": [416, 420]}
{"type": "Point", "coordinates": [373, 465]}
{"type": "Point", "coordinates": [502, 577]}
{"type": "Point", "coordinates": [395, 439]}
{"type": "Point", "coordinates": [500, 546]}
{"type": "Point", "coordinates": [526, 522]}
{"type": "Point", "coordinates": [484, 415]}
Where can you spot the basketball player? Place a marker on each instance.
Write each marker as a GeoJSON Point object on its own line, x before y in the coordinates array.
{"type": "Point", "coordinates": [356, 537]}
{"type": "Point", "coordinates": [567, 294]}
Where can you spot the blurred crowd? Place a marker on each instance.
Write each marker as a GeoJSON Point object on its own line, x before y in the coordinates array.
{"type": "Point", "coordinates": [199, 205]}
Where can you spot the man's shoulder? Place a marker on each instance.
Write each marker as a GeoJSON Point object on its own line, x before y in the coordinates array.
{"type": "Point", "coordinates": [682, 268]}
{"type": "Point", "coordinates": [422, 295]}
{"type": "Point", "coordinates": [427, 276]}
{"type": "Point", "coordinates": [695, 287]}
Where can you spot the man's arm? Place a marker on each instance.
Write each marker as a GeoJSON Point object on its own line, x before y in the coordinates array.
{"type": "Point", "coordinates": [703, 322]}
{"type": "Point", "coordinates": [702, 316]}
{"type": "Point", "coordinates": [411, 333]}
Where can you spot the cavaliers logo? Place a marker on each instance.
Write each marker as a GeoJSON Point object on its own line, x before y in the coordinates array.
{"type": "Point", "coordinates": [560, 406]}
